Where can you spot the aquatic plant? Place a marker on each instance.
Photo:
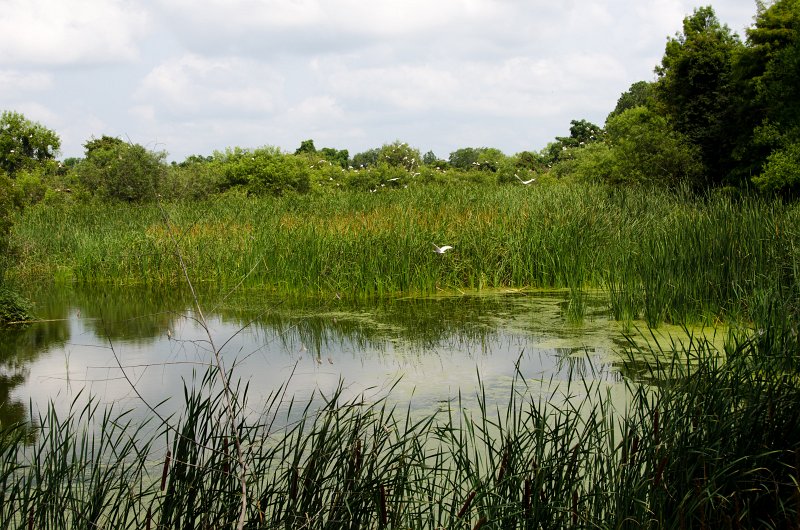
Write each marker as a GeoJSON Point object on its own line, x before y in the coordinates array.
{"type": "Point", "coordinates": [661, 256]}
{"type": "Point", "coordinates": [713, 443]}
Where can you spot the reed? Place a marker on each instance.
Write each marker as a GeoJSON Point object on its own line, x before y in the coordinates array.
{"type": "Point", "coordinates": [713, 444]}
{"type": "Point", "coordinates": [660, 256]}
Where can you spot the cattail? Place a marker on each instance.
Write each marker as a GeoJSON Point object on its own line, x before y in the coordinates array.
{"type": "Point", "coordinates": [30, 519]}
{"type": "Point", "coordinates": [357, 459]}
{"type": "Point", "coordinates": [635, 446]}
{"type": "Point", "coordinates": [659, 471]}
{"type": "Point", "coordinates": [655, 426]}
{"type": "Point", "coordinates": [225, 466]}
{"type": "Point", "coordinates": [293, 484]}
{"type": "Point", "coordinates": [165, 471]}
{"type": "Point", "coordinates": [574, 508]}
{"type": "Point", "coordinates": [382, 497]}
{"type": "Point", "coordinates": [526, 498]}
{"type": "Point", "coordinates": [480, 523]}
{"type": "Point", "coordinates": [465, 507]}
{"type": "Point", "coordinates": [503, 464]}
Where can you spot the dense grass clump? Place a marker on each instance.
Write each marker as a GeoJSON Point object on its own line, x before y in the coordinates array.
{"type": "Point", "coordinates": [715, 444]}
{"type": "Point", "coordinates": [661, 256]}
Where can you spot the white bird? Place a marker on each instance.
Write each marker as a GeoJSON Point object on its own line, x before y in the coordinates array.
{"type": "Point", "coordinates": [526, 182]}
{"type": "Point", "coordinates": [441, 250]}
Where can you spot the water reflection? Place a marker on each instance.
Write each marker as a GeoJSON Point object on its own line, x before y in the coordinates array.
{"type": "Point", "coordinates": [122, 345]}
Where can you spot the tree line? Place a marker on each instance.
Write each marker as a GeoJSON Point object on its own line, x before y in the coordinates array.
{"type": "Point", "coordinates": [721, 112]}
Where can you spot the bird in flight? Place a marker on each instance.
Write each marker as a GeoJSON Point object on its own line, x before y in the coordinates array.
{"type": "Point", "coordinates": [441, 250]}
{"type": "Point", "coordinates": [526, 182]}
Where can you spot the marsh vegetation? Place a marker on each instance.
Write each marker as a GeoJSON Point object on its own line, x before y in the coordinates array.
{"type": "Point", "coordinates": [678, 213]}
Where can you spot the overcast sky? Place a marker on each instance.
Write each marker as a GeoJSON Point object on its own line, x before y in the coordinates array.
{"type": "Point", "coordinates": [194, 76]}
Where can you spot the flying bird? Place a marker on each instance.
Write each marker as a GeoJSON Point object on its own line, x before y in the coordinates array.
{"type": "Point", "coordinates": [526, 182]}
{"type": "Point", "coordinates": [441, 250]}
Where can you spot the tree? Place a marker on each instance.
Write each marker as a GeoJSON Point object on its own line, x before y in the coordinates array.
{"type": "Point", "coordinates": [769, 75]}
{"type": "Point", "coordinates": [340, 157]}
{"type": "Point", "coordinates": [306, 146]}
{"type": "Point", "coordinates": [367, 158]}
{"type": "Point", "coordinates": [640, 94]}
{"type": "Point", "coordinates": [482, 158]}
{"type": "Point", "coordinates": [24, 144]}
{"type": "Point", "coordinates": [118, 170]}
{"type": "Point", "coordinates": [645, 148]}
{"type": "Point", "coordinates": [399, 154]}
{"type": "Point", "coordinates": [581, 134]}
{"type": "Point", "coordinates": [696, 89]}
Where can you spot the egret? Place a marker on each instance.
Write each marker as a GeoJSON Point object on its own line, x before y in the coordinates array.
{"type": "Point", "coordinates": [440, 250]}
{"type": "Point", "coordinates": [526, 182]}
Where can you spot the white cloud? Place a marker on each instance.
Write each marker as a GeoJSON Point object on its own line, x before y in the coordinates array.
{"type": "Point", "coordinates": [192, 85]}
{"type": "Point", "coordinates": [62, 32]}
{"type": "Point", "coordinates": [13, 82]}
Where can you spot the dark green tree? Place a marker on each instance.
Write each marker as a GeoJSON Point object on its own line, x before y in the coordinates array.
{"type": "Point", "coordinates": [306, 146]}
{"type": "Point", "coordinates": [645, 148]}
{"type": "Point", "coordinates": [465, 157]}
{"type": "Point", "coordinates": [697, 92]}
{"type": "Point", "coordinates": [640, 94]}
{"type": "Point", "coordinates": [368, 158]}
{"type": "Point", "coordinates": [769, 75]}
{"type": "Point", "coordinates": [339, 157]}
{"type": "Point", "coordinates": [24, 144]}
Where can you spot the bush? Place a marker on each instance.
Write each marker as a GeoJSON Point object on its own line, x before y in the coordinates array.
{"type": "Point", "coordinates": [399, 154]}
{"type": "Point", "coordinates": [781, 172]}
{"type": "Point", "coordinates": [118, 170]}
{"type": "Point", "coordinates": [13, 308]}
{"type": "Point", "coordinates": [266, 171]}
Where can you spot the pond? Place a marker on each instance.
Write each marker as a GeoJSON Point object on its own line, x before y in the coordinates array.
{"type": "Point", "coordinates": [137, 346]}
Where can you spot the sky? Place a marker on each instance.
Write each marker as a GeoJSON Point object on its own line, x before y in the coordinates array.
{"type": "Point", "coordinates": [197, 76]}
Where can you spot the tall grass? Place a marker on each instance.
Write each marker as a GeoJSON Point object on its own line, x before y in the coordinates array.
{"type": "Point", "coordinates": [660, 256]}
{"type": "Point", "coordinates": [715, 444]}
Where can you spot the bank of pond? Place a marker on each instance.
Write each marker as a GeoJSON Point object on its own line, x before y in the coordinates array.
{"type": "Point", "coordinates": [583, 357]}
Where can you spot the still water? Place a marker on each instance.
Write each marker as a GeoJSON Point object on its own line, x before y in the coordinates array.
{"type": "Point", "coordinates": [134, 347]}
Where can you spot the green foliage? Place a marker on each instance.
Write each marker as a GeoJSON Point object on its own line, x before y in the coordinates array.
{"type": "Point", "coordinates": [581, 132]}
{"type": "Point", "coordinates": [640, 94]}
{"type": "Point", "coordinates": [24, 144]}
{"type": "Point", "coordinates": [366, 159]}
{"type": "Point", "coordinates": [697, 92]}
{"type": "Point", "coordinates": [769, 82]}
{"type": "Point", "coordinates": [781, 172]}
{"type": "Point", "coordinates": [265, 171]}
{"type": "Point", "coordinates": [29, 187]}
{"type": "Point", "coordinates": [306, 147]}
{"type": "Point", "coordinates": [399, 154]}
{"type": "Point", "coordinates": [6, 211]}
{"type": "Point", "coordinates": [646, 149]}
{"type": "Point", "coordinates": [13, 307]}
{"type": "Point", "coordinates": [340, 157]}
{"type": "Point", "coordinates": [477, 158]}
{"type": "Point", "coordinates": [464, 158]}
{"type": "Point", "coordinates": [121, 171]}
{"type": "Point", "coordinates": [774, 53]}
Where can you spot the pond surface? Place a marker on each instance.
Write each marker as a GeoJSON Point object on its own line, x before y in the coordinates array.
{"type": "Point", "coordinates": [126, 346]}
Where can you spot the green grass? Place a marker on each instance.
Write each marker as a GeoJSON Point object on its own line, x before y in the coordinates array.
{"type": "Point", "coordinates": [715, 444]}
{"type": "Point", "coordinates": [660, 256]}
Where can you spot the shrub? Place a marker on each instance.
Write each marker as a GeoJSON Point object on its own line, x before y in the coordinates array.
{"type": "Point", "coordinates": [121, 171]}
{"type": "Point", "coordinates": [781, 173]}
{"type": "Point", "coordinates": [266, 171]}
